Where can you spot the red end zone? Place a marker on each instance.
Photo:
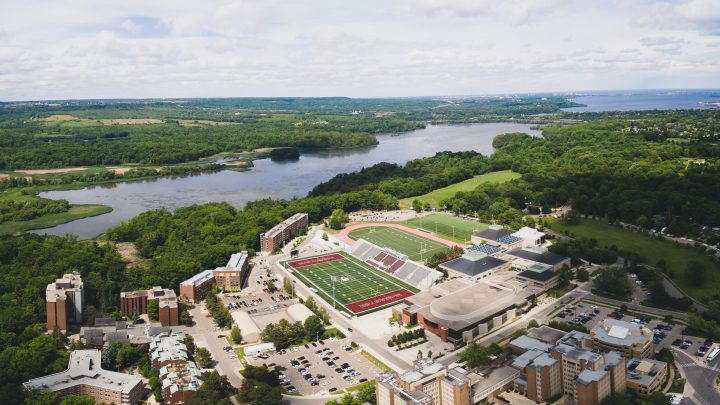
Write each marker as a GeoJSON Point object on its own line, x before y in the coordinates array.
{"type": "Point", "coordinates": [315, 260]}
{"type": "Point", "coordinates": [378, 301]}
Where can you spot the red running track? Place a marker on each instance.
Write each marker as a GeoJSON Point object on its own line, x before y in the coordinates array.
{"type": "Point", "coordinates": [377, 301]}
{"type": "Point", "coordinates": [315, 260]}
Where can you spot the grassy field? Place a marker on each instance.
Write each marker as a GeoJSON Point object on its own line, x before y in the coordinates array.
{"type": "Point", "coordinates": [653, 249]}
{"type": "Point", "coordinates": [50, 220]}
{"type": "Point", "coordinates": [363, 281]}
{"type": "Point", "coordinates": [448, 226]}
{"type": "Point", "coordinates": [434, 197]}
{"type": "Point", "coordinates": [415, 247]}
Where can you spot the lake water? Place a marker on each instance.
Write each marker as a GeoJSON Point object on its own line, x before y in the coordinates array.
{"type": "Point", "coordinates": [269, 178]}
{"type": "Point", "coordinates": [645, 100]}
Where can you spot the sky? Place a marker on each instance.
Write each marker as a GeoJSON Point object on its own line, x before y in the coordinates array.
{"type": "Point", "coordinates": [69, 49]}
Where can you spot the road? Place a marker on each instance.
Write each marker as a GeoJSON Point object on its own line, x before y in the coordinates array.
{"type": "Point", "coordinates": [700, 377]}
{"type": "Point", "coordinates": [205, 336]}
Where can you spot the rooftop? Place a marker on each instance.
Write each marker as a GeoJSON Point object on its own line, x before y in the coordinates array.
{"type": "Point", "coordinates": [528, 343]}
{"type": "Point", "coordinates": [522, 361]}
{"type": "Point", "coordinates": [199, 278]}
{"type": "Point", "coordinates": [621, 333]}
{"type": "Point", "coordinates": [84, 368]}
{"type": "Point", "coordinates": [540, 255]}
{"type": "Point", "coordinates": [546, 334]}
{"type": "Point", "coordinates": [543, 277]}
{"type": "Point", "coordinates": [58, 289]}
{"type": "Point", "coordinates": [473, 264]}
{"type": "Point", "coordinates": [237, 260]}
{"type": "Point", "coordinates": [424, 369]}
{"type": "Point", "coordinates": [168, 346]}
{"type": "Point", "coordinates": [496, 233]}
{"type": "Point", "coordinates": [576, 353]}
{"type": "Point", "coordinates": [644, 371]}
{"type": "Point", "coordinates": [588, 376]}
{"type": "Point", "coordinates": [485, 248]}
{"type": "Point", "coordinates": [284, 224]}
{"type": "Point", "coordinates": [529, 233]}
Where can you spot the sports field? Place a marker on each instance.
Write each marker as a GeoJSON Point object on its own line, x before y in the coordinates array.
{"type": "Point", "coordinates": [415, 247]}
{"type": "Point", "coordinates": [434, 197]}
{"type": "Point", "coordinates": [448, 226]}
{"type": "Point", "coordinates": [358, 287]}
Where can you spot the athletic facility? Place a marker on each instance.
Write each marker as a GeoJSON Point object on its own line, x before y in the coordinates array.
{"type": "Point", "coordinates": [448, 226]}
{"type": "Point", "coordinates": [349, 284]}
{"type": "Point", "coordinates": [415, 247]}
{"type": "Point", "coordinates": [395, 263]}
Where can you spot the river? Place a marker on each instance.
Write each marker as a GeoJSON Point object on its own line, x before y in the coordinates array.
{"type": "Point", "coordinates": [269, 179]}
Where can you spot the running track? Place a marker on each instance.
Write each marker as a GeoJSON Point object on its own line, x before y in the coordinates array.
{"type": "Point", "coordinates": [343, 234]}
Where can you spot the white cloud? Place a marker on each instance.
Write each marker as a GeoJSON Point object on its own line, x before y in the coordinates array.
{"type": "Point", "coordinates": [129, 26]}
{"type": "Point", "coordinates": [178, 48]}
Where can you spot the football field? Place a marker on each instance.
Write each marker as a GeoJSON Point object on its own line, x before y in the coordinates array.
{"type": "Point", "coordinates": [415, 247]}
{"type": "Point", "coordinates": [349, 284]}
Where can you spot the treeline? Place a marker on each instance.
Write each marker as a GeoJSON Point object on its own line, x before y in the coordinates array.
{"type": "Point", "coordinates": [195, 238]}
{"type": "Point", "coordinates": [106, 176]}
{"type": "Point", "coordinates": [24, 210]}
{"type": "Point", "coordinates": [416, 177]}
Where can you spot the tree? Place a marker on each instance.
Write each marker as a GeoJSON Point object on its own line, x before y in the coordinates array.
{"type": "Point", "coordinates": [190, 344]}
{"type": "Point", "coordinates": [338, 218]}
{"type": "Point", "coordinates": [582, 275]}
{"type": "Point", "coordinates": [288, 286]}
{"type": "Point", "coordinates": [215, 389]}
{"type": "Point", "coordinates": [565, 276]}
{"type": "Point", "coordinates": [236, 335]}
{"type": "Point", "coordinates": [665, 355]}
{"type": "Point", "coordinates": [59, 338]}
{"type": "Point", "coordinates": [417, 205]}
{"type": "Point", "coordinates": [271, 286]}
{"type": "Point", "coordinates": [313, 327]}
{"type": "Point", "coordinates": [476, 355]}
{"type": "Point", "coordinates": [533, 324]}
{"type": "Point", "coordinates": [203, 358]}
{"type": "Point", "coordinates": [325, 236]}
{"type": "Point", "coordinates": [153, 310]}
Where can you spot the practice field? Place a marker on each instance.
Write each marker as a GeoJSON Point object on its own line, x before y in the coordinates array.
{"type": "Point", "coordinates": [434, 197]}
{"type": "Point", "coordinates": [453, 228]}
{"type": "Point", "coordinates": [358, 287]}
{"type": "Point", "coordinates": [415, 247]}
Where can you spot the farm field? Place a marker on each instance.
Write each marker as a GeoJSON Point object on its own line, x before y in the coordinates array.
{"type": "Point", "coordinates": [358, 287]}
{"type": "Point", "coordinates": [415, 247]}
{"type": "Point", "coordinates": [434, 197]}
{"type": "Point", "coordinates": [653, 249]}
{"type": "Point", "coordinates": [450, 227]}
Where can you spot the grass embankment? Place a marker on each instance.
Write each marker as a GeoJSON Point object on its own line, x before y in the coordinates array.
{"type": "Point", "coordinates": [450, 227]}
{"type": "Point", "coordinates": [653, 249]}
{"type": "Point", "coordinates": [49, 220]}
{"type": "Point", "coordinates": [434, 197]}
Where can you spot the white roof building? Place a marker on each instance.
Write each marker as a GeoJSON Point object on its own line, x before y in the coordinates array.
{"type": "Point", "coordinates": [249, 329]}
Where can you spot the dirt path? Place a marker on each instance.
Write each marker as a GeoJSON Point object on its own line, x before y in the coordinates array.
{"type": "Point", "coordinates": [50, 171]}
{"type": "Point", "coordinates": [343, 234]}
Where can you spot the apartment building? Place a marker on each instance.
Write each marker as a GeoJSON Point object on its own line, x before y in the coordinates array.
{"type": "Point", "coordinates": [134, 303]}
{"type": "Point", "coordinates": [85, 376]}
{"type": "Point", "coordinates": [646, 375]}
{"type": "Point", "coordinates": [64, 301]}
{"type": "Point", "coordinates": [276, 237]}
{"type": "Point", "coordinates": [179, 377]}
{"type": "Point", "coordinates": [630, 339]}
{"type": "Point", "coordinates": [567, 367]}
{"type": "Point", "coordinates": [228, 278]}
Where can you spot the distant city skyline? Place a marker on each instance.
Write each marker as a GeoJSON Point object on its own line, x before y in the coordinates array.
{"type": "Point", "coordinates": [81, 49]}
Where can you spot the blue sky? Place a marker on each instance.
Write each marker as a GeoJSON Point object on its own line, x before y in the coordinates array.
{"type": "Point", "coordinates": [176, 48]}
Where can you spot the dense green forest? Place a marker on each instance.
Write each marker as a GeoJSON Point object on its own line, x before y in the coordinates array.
{"type": "Point", "coordinates": [81, 133]}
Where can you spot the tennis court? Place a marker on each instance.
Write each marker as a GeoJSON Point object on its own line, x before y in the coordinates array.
{"type": "Point", "coordinates": [415, 247]}
{"type": "Point", "coordinates": [348, 283]}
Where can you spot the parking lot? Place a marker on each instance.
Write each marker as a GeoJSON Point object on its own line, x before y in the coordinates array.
{"type": "Point", "coordinates": [666, 335]}
{"type": "Point", "coordinates": [257, 298]}
{"type": "Point", "coordinates": [326, 366]}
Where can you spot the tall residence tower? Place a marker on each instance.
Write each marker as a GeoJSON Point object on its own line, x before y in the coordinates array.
{"type": "Point", "coordinates": [64, 300]}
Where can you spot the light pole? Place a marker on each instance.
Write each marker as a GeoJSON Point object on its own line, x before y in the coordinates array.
{"type": "Point", "coordinates": [453, 228]}
{"type": "Point", "coordinates": [332, 278]}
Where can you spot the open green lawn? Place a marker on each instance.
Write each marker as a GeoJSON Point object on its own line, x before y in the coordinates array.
{"type": "Point", "coordinates": [448, 226]}
{"type": "Point", "coordinates": [415, 247]}
{"type": "Point", "coordinates": [653, 249]}
{"type": "Point", "coordinates": [434, 197]}
{"type": "Point", "coordinates": [47, 221]}
{"type": "Point", "coordinates": [364, 282]}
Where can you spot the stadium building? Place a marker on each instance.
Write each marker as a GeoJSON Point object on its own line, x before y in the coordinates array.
{"type": "Point", "coordinates": [395, 264]}
{"type": "Point", "coordinates": [64, 300]}
{"type": "Point", "coordinates": [85, 376]}
{"type": "Point", "coordinates": [135, 303]}
{"type": "Point", "coordinates": [276, 237]}
{"type": "Point", "coordinates": [462, 309]}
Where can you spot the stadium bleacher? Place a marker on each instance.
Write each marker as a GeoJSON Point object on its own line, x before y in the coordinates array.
{"type": "Point", "coordinates": [395, 264]}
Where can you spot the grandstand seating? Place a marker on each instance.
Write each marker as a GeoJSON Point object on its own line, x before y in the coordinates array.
{"type": "Point", "coordinates": [395, 264]}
